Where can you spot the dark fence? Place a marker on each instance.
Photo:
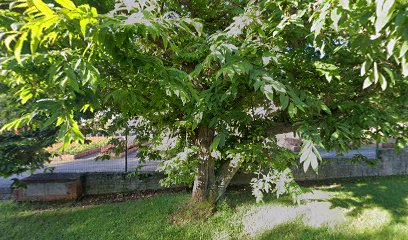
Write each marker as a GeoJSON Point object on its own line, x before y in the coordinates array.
{"type": "Point", "coordinates": [88, 161]}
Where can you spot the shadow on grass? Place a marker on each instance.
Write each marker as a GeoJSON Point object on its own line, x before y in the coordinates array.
{"type": "Point", "coordinates": [141, 219]}
{"type": "Point", "coordinates": [149, 218]}
{"type": "Point", "coordinates": [390, 194]}
{"type": "Point", "coordinates": [236, 197]}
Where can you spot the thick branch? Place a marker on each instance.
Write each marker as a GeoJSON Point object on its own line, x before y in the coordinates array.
{"type": "Point", "coordinates": [280, 128]}
{"type": "Point", "coordinates": [226, 173]}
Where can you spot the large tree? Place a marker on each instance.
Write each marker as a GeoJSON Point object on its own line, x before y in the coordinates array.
{"type": "Point", "coordinates": [211, 83]}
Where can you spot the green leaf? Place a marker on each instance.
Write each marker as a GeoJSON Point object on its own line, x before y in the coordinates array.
{"type": "Point", "coordinates": [19, 46]}
{"type": "Point", "coordinates": [390, 73]}
{"type": "Point", "coordinates": [390, 46]}
{"type": "Point", "coordinates": [278, 86]}
{"type": "Point", "coordinates": [94, 12]}
{"type": "Point", "coordinates": [85, 107]}
{"type": "Point", "coordinates": [404, 65]}
{"type": "Point", "coordinates": [284, 101]}
{"type": "Point", "coordinates": [404, 49]}
{"type": "Point", "coordinates": [335, 135]}
{"type": "Point", "coordinates": [25, 95]}
{"type": "Point", "coordinates": [198, 27]}
{"type": "Point", "coordinates": [325, 108]}
{"type": "Point", "coordinates": [35, 38]}
{"type": "Point", "coordinates": [43, 8]}
{"type": "Point", "coordinates": [267, 89]}
{"type": "Point", "coordinates": [83, 23]}
{"type": "Point", "coordinates": [308, 156]}
{"type": "Point", "coordinates": [266, 58]}
{"type": "Point", "coordinates": [66, 4]}
{"type": "Point", "coordinates": [292, 110]}
{"type": "Point", "coordinates": [367, 83]}
{"type": "Point", "coordinates": [383, 82]}
{"type": "Point", "coordinates": [364, 67]}
{"type": "Point", "coordinates": [216, 142]}
{"type": "Point", "coordinates": [375, 72]}
{"type": "Point", "coordinates": [296, 100]}
{"type": "Point", "coordinates": [60, 120]}
{"type": "Point", "coordinates": [345, 4]}
{"type": "Point", "coordinates": [258, 84]}
{"type": "Point", "coordinates": [335, 16]}
{"type": "Point", "coordinates": [384, 10]}
{"type": "Point", "coordinates": [8, 40]}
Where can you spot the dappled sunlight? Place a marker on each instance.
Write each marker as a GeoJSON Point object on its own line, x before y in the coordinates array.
{"type": "Point", "coordinates": [267, 217]}
{"type": "Point", "coordinates": [314, 214]}
{"type": "Point", "coordinates": [372, 219]}
{"type": "Point", "coordinates": [316, 195]}
{"type": "Point", "coordinates": [347, 211]}
{"type": "Point", "coordinates": [319, 214]}
{"type": "Point", "coordinates": [318, 211]}
{"type": "Point", "coordinates": [389, 195]}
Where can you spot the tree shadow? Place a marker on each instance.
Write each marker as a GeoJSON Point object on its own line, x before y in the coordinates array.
{"type": "Point", "coordinates": [390, 194]}
{"type": "Point", "coordinates": [141, 219]}
{"type": "Point", "coordinates": [236, 197]}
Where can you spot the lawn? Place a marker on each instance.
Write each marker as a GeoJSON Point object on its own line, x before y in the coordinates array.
{"type": "Point", "coordinates": [371, 208]}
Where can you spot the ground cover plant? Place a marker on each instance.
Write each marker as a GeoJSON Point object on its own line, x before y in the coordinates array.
{"type": "Point", "coordinates": [211, 83]}
{"type": "Point", "coordinates": [92, 143]}
{"type": "Point", "coordinates": [369, 208]}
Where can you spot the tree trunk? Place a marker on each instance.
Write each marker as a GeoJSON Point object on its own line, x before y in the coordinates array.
{"type": "Point", "coordinates": [204, 183]}
{"type": "Point", "coordinates": [226, 173]}
{"type": "Point", "coordinates": [206, 186]}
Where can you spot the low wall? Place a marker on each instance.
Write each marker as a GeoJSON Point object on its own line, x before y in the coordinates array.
{"type": "Point", "coordinates": [104, 183]}
{"type": "Point", "coordinates": [50, 187]}
{"type": "Point", "coordinates": [390, 163]}
{"type": "Point", "coordinates": [5, 193]}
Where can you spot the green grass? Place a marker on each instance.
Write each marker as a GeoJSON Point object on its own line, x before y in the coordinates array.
{"type": "Point", "coordinates": [371, 208]}
{"type": "Point", "coordinates": [79, 148]}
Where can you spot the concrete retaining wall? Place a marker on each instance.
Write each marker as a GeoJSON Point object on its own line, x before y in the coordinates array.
{"type": "Point", "coordinates": [104, 183]}
{"type": "Point", "coordinates": [390, 163]}
{"type": "Point", "coordinates": [50, 187]}
{"type": "Point", "coordinates": [5, 193]}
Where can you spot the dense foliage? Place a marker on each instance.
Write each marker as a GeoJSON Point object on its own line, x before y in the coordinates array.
{"type": "Point", "coordinates": [24, 152]}
{"type": "Point", "coordinates": [211, 83]}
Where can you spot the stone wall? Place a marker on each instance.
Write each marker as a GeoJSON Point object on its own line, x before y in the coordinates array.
{"type": "Point", "coordinates": [390, 163]}
{"type": "Point", "coordinates": [5, 193]}
{"type": "Point", "coordinates": [104, 183]}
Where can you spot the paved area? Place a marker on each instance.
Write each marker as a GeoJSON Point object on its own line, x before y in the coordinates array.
{"type": "Point", "coordinates": [88, 164]}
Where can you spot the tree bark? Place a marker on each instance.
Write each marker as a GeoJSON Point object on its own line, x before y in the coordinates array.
{"type": "Point", "coordinates": [208, 187]}
{"type": "Point", "coordinates": [204, 183]}
{"type": "Point", "coordinates": [226, 173]}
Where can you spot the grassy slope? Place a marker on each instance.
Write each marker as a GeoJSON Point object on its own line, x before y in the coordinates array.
{"type": "Point", "coordinates": [374, 208]}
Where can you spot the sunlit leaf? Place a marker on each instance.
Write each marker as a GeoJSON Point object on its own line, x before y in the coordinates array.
{"type": "Point", "coordinates": [42, 7]}
{"type": "Point", "coordinates": [66, 4]}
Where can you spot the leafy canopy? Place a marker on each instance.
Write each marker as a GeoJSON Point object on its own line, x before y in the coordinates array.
{"type": "Point", "coordinates": [333, 71]}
